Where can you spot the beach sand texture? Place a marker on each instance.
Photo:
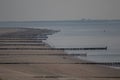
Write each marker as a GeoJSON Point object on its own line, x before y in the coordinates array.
{"type": "Point", "coordinates": [46, 71]}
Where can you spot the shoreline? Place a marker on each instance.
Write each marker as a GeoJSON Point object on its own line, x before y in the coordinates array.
{"type": "Point", "coordinates": [113, 65]}
{"type": "Point", "coordinates": [50, 71]}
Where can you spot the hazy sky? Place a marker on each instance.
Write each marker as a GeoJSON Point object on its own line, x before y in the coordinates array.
{"type": "Point", "coordinates": [58, 9]}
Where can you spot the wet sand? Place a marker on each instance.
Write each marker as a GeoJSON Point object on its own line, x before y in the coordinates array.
{"type": "Point", "coordinates": [9, 30]}
{"type": "Point", "coordinates": [49, 71]}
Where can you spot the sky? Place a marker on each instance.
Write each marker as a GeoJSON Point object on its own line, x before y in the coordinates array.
{"type": "Point", "coordinates": [29, 10]}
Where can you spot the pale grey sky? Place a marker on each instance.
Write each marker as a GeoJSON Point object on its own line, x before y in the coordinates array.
{"type": "Point", "coordinates": [15, 10]}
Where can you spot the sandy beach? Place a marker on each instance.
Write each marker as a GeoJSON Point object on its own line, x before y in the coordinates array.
{"type": "Point", "coordinates": [46, 71]}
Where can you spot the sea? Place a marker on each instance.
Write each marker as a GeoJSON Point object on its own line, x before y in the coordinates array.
{"type": "Point", "coordinates": [80, 34]}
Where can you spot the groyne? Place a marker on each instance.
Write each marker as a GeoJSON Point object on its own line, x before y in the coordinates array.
{"type": "Point", "coordinates": [96, 48]}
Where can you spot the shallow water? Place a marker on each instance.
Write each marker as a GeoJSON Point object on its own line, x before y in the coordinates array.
{"type": "Point", "coordinates": [90, 35]}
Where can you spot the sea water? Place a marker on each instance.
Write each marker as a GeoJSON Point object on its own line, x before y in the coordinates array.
{"type": "Point", "coordinates": [89, 34]}
{"type": "Point", "coordinates": [81, 34]}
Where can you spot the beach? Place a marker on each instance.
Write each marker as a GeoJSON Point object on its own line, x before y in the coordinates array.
{"type": "Point", "coordinates": [39, 67]}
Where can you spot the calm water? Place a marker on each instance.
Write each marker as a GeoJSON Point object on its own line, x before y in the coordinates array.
{"type": "Point", "coordinates": [77, 34]}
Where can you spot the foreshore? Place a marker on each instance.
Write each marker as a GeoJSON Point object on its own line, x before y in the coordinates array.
{"type": "Point", "coordinates": [46, 70]}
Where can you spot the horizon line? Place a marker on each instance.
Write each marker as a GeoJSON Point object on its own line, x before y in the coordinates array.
{"type": "Point", "coordinates": [62, 20]}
